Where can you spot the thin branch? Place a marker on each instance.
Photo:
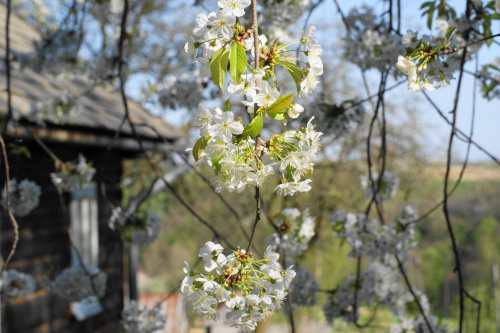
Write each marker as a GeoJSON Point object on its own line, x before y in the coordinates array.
{"type": "Point", "coordinates": [478, 302]}
{"type": "Point", "coordinates": [456, 49]}
{"type": "Point", "coordinates": [7, 69]}
{"type": "Point", "coordinates": [457, 130]}
{"type": "Point", "coordinates": [399, 18]}
{"type": "Point", "coordinates": [458, 267]}
{"type": "Point", "coordinates": [255, 29]}
{"type": "Point", "coordinates": [339, 10]}
{"type": "Point", "coordinates": [203, 178]}
{"type": "Point", "coordinates": [408, 284]}
{"type": "Point", "coordinates": [90, 275]}
{"type": "Point", "coordinates": [15, 226]}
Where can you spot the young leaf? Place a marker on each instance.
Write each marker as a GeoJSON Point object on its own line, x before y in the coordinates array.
{"type": "Point", "coordinates": [296, 73]}
{"type": "Point", "coordinates": [277, 116]}
{"type": "Point", "coordinates": [427, 4]}
{"type": "Point", "coordinates": [255, 126]}
{"type": "Point", "coordinates": [289, 173]}
{"type": "Point", "coordinates": [449, 31]}
{"type": "Point", "coordinates": [200, 146]}
{"type": "Point", "coordinates": [431, 15]}
{"type": "Point", "coordinates": [237, 62]}
{"type": "Point", "coordinates": [281, 104]}
{"type": "Point", "coordinates": [487, 30]}
{"type": "Point", "coordinates": [227, 105]}
{"type": "Point", "coordinates": [218, 66]}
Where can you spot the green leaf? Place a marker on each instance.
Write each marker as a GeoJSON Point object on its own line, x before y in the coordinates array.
{"type": "Point", "coordinates": [427, 4]}
{"type": "Point", "coordinates": [487, 30]}
{"type": "Point", "coordinates": [255, 126]}
{"type": "Point", "coordinates": [19, 150]}
{"type": "Point", "coordinates": [449, 31]}
{"type": "Point", "coordinates": [296, 73]}
{"type": "Point", "coordinates": [289, 173]}
{"type": "Point", "coordinates": [429, 18]}
{"type": "Point", "coordinates": [200, 146]}
{"type": "Point", "coordinates": [217, 165]}
{"type": "Point", "coordinates": [277, 116]}
{"type": "Point", "coordinates": [281, 104]}
{"type": "Point", "coordinates": [227, 105]}
{"type": "Point", "coordinates": [218, 66]}
{"type": "Point", "coordinates": [494, 67]}
{"type": "Point", "coordinates": [237, 62]}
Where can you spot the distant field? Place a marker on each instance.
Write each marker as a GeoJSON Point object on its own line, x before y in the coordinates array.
{"type": "Point", "coordinates": [472, 172]}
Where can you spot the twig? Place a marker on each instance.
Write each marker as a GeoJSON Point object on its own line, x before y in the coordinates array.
{"type": "Point", "coordinates": [456, 49]}
{"type": "Point", "coordinates": [457, 130]}
{"type": "Point", "coordinates": [7, 68]}
{"type": "Point", "coordinates": [255, 28]}
{"type": "Point", "coordinates": [203, 178]}
{"type": "Point", "coordinates": [90, 275]}
{"type": "Point", "coordinates": [408, 284]}
{"type": "Point", "coordinates": [478, 302]}
{"type": "Point", "coordinates": [9, 211]}
{"type": "Point", "coordinates": [339, 10]}
{"type": "Point", "coordinates": [458, 267]}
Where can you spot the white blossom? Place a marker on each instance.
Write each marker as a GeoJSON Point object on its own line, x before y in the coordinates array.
{"type": "Point", "coordinates": [76, 284]}
{"type": "Point", "coordinates": [14, 284]}
{"type": "Point", "coordinates": [24, 197]}
{"type": "Point", "coordinates": [234, 7]}
{"type": "Point", "coordinates": [142, 320]}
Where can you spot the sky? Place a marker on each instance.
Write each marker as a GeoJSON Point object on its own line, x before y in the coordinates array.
{"type": "Point", "coordinates": [436, 131]}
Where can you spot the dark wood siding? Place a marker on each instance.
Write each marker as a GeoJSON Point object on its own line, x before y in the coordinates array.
{"type": "Point", "coordinates": [44, 242]}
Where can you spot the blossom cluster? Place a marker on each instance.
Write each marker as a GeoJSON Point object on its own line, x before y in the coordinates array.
{"type": "Point", "coordinates": [250, 289]}
{"type": "Point", "coordinates": [135, 228]}
{"type": "Point", "coordinates": [214, 29]}
{"type": "Point", "coordinates": [304, 288]}
{"type": "Point", "coordinates": [142, 320]}
{"type": "Point", "coordinates": [74, 175]}
{"type": "Point", "coordinates": [295, 231]}
{"type": "Point", "coordinates": [56, 109]}
{"type": "Point", "coordinates": [291, 153]}
{"type": "Point", "coordinates": [388, 185]}
{"type": "Point", "coordinates": [381, 284]}
{"type": "Point", "coordinates": [490, 78]}
{"type": "Point", "coordinates": [276, 15]}
{"type": "Point", "coordinates": [14, 284]}
{"type": "Point", "coordinates": [76, 284]}
{"type": "Point", "coordinates": [225, 143]}
{"type": "Point", "coordinates": [388, 248]}
{"type": "Point", "coordinates": [370, 44]}
{"type": "Point", "coordinates": [24, 197]}
{"type": "Point", "coordinates": [366, 236]}
{"type": "Point", "coordinates": [425, 67]}
{"type": "Point", "coordinates": [340, 119]}
{"type": "Point", "coordinates": [180, 92]}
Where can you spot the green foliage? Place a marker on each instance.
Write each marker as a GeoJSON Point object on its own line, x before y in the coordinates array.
{"type": "Point", "coordinates": [295, 71]}
{"type": "Point", "coordinates": [280, 105]}
{"type": "Point", "coordinates": [218, 66]}
{"type": "Point", "coordinates": [238, 62]}
{"type": "Point", "coordinates": [255, 126]}
{"type": "Point", "coordinates": [200, 146]}
{"type": "Point", "coordinates": [19, 150]}
{"type": "Point", "coordinates": [227, 105]}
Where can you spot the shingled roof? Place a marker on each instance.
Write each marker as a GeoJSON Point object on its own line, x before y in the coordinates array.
{"type": "Point", "coordinates": [100, 109]}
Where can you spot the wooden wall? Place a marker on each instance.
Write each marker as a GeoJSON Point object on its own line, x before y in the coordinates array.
{"type": "Point", "coordinates": [44, 243]}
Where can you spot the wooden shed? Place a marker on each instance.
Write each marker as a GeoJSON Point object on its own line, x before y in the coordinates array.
{"type": "Point", "coordinates": [44, 243]}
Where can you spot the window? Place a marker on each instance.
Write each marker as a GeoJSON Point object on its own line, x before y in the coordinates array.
{"type": "Point", "coordinates": [85, 233]}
